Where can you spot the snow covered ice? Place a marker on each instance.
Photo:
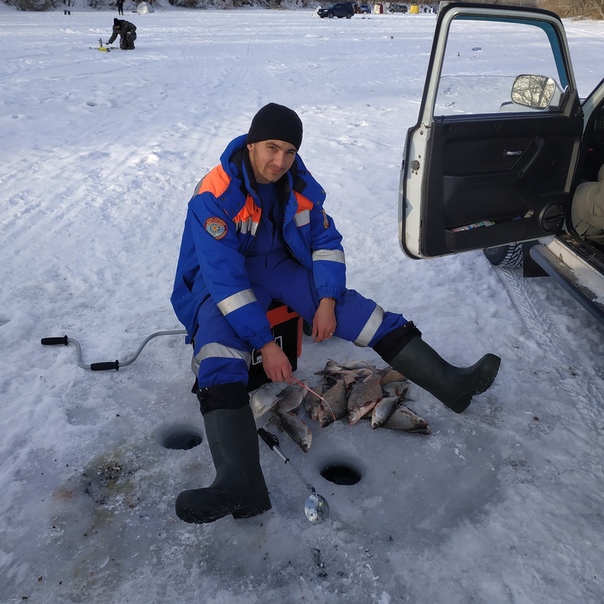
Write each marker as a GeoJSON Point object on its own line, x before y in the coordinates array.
{"type": "Point", "coordinates": [100, 153]}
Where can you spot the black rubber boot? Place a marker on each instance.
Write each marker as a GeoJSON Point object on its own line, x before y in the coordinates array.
{"type": "Point", "coordinates": [239, 488]}
{"type": "Point", "coordinates": [453, 386]}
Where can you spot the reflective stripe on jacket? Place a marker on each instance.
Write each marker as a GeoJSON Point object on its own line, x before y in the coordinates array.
{"type": "Point", "coordinates": [221, 222]}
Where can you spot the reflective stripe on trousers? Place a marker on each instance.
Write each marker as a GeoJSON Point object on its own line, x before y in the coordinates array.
{"type": "Point", "coordinates": [222, 357]}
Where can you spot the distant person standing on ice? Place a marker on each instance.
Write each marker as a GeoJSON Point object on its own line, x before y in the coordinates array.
{"type": "Point", "coordinates": [120, 7]}
{"type": "Point", "coordinates": [126, 32]}
{"type": "Point", "coordinates": [256, 230]}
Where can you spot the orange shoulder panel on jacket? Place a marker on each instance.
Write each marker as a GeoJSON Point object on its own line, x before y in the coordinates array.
{"type": "Point", "coordinates": [250, 211]}
{"type": "Point", "coordinates": [303, 202]}
{"type": "Point", "coordinates": [215, 181]}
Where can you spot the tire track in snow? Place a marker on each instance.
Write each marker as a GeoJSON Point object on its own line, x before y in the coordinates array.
{"type": "Point", "coordinates": [559, 447]}
{"type": "Point", "coordinates": [584, 385]}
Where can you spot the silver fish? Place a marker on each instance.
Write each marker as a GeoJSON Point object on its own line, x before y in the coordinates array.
{"type": "Point", "coordinates": [297, 430]}
{"type": "Point", "coordinates": [334, 367]}
{"type": "Point", "coordinates": [312, 404]}
{"type": "Point", "coordinates": [391, 375]}
{"type": "Point", "coordinates": [396, 389]}
{"type": "Point", "coordinates": [354, 415]}
{"type": "Point", "coordinates": [407, 420]}
{"type": "Point", "coordinates": [383, 410]}
{"type": "Point", "coordinates": [365, 390]}
{"type": "Point", "coordinates": [335, 404]}
{"type": "Point", "coordinates": [355, 365]}
{"type": "Point", "coordinates": [330, 367]}
{"type": "Point", "coordinates": [263, 399]}
{"type": "Point", "coordinates": [354, 370]}
{"type": "Point", "coordinates": [291, 397]}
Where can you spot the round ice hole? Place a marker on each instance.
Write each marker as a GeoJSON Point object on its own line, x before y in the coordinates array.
{"type": "Point", "coordinates": [180, 437]}
{"type": "Point", "coordinates": [341, 474]}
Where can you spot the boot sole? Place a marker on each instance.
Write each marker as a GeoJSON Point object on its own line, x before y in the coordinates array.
{"type": "Point", "coordinates": [188, 511]}
{"type": "Point", "coordinates": [250, 513]}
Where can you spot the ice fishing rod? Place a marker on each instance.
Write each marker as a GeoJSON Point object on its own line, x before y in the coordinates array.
{"type": "Point", "coordinates": [107, 365]}
{"type": "Point", "coordinates": [316, 507]}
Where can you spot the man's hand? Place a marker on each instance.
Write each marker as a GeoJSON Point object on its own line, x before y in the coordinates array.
{"type": "Point", "coordinates": [324, 322]}
{"type": "Point", "coordinates": [276, 364]}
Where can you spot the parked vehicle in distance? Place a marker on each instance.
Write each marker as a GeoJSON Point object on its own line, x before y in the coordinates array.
{"type": "Point", "coordinates": [364, 9]}
{"type": "Point", "coordinates": [395, 7]}
{"type": "Point", "coordinates": [511, 164]}
{"type": "Point", "coordinates": [339, 10]}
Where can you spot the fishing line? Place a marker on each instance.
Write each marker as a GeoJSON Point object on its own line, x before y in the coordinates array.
{"type": "Point", "coordinates": [317, 395]}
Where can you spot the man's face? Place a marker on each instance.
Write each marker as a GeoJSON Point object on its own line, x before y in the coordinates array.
{"type": "Point", "coordinates": [271, 159]}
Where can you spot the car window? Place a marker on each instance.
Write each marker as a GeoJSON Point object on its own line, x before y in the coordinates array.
{"type": "Point", "coordinates": [481, 69]}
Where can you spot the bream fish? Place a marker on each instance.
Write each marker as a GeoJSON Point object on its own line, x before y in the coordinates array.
{"type": "Point", "coordinates": [296, 429]}
{"type": "Point", "coordinates": [263, 399]}
{"type": "Point", "coordinates": [291, 397]}
{"type": "Point", "coordinates": [363, 396]}
{"type": "Point", "coordinates": [407, 420]}
{"type": "Point", "coordinates": [383, 410]}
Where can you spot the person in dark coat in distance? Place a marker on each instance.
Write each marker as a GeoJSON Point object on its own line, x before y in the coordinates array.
{"type": "Point", "coordinates": [126, 31]}
{"type": "Point", "coordinates": [256, 231]}
{"type": "Point", "coordinates": [120, 7]}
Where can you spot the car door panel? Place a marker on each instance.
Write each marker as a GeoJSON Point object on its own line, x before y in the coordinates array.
{"type": "Point", "coordinates": [500, 178]}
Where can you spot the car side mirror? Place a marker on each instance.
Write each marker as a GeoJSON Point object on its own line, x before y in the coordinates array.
{"type": "Point", "coordinates": [533, 91]}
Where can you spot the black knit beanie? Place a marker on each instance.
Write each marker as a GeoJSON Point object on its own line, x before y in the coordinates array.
{"type": "Point", "coordinates": [116, 22]}
{"type": "Point", "coordinates": [276, 122]}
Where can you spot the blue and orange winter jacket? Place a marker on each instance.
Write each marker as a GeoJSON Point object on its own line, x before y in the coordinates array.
{"type": "Point", "coordinates": [220, 227]}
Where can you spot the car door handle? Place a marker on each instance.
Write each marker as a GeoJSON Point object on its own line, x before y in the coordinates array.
{"type": "Point", "coordinates": [530, 157]}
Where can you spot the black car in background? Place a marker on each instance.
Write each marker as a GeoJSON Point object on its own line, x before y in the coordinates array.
{"type": "Point", "coordinates": [341, 9]}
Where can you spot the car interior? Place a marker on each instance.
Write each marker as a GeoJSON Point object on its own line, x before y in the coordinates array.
{"type": "Point", "coordinates": [587, 208]}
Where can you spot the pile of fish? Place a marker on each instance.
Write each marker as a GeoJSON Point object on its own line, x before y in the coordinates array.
{"type": "Point", "coordinates": [353, 390]}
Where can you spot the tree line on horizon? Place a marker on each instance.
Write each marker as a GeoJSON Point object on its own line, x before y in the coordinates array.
{"type": "Point", "coordinates": [567, 9]}
{"type": "Point", "coordinates": [130, 5]}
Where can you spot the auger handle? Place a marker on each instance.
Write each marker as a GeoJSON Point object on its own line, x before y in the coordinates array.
{"type": "Point", "coordinates": [54, 341]}
{"type": "Point", "coordinates": [105, 366]}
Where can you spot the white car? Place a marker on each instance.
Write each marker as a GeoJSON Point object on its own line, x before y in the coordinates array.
{"type": "Point", "coordinates": [509, 162]}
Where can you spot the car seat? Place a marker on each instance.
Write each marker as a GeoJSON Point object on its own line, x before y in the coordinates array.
{"type": "Point", "coordinates": [587, 210]}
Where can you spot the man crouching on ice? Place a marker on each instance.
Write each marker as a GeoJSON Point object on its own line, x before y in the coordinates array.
{"type": "Point", "coordinates": [256, 231]}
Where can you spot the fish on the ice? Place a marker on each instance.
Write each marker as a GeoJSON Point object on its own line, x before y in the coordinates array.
{"type": "Point", "coordinates": [264, 398]}
{"type": "Point", "coordinates": [295, 427]}
{"type": "Point", "coordinates": [383, 410]}
{"type": "Point", "coordinates": [396, 389]}
{"type": "Point", "coordinates": [312, 404]}
{"type": "Point", "coordinates": [334, 405]}
{"type": "Point", "coordinates": [291, 397]}
{"type": "Point", "coordinates": [356, 413]}
{"type": "Point", "coordinates": [352, 371]}
{"type": "Point", "coordinates": [407, 420]}
{"type": "Point", "coordinates": [363, 397]}
{"type": "Point", "coordinates": [389, 375]}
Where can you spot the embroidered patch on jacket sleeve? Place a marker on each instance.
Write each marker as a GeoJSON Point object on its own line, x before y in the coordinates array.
{"type": "Point", "coordinates": [216, 227]}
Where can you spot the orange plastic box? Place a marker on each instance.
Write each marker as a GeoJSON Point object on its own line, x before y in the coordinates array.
{"type": "Point", "coordinates": [286, 326]}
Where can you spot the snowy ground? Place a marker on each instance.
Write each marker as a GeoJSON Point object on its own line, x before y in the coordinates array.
{"type": "Point", "coordinates": [99, 155]}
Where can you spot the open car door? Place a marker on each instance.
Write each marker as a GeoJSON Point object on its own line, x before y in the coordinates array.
{"type": "Point", "coordinates": [492, 157]}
